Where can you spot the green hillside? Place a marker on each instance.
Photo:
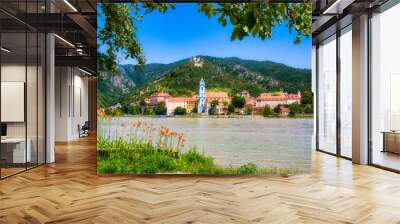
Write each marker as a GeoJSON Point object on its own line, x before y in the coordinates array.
{"type": "Point", "coordinates": [181, 79]}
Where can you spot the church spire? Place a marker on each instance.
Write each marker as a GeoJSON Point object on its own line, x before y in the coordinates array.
{"type": "Point", "coordinates": [201, 105]}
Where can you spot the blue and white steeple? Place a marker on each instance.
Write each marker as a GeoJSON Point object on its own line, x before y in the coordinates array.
{"type": "Point", "coordinates": [201, 105]}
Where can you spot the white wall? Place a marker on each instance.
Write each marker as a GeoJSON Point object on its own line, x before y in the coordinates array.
{"type": "Point", "coordinates": [71, 102]}
{"type": "Point", "coordinates": [14, 72]}
{"type": "Point", "coordinates": [62, 84]}
{"type": "Point", "coordinates": [33, 126]}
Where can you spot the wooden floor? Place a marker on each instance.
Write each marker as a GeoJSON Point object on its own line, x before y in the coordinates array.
{"type": "Point", "coordinates": [70, 191]}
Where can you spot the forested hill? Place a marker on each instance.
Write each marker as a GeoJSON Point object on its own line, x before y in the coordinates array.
{"type": "Point", "coordinates": [181, 78]}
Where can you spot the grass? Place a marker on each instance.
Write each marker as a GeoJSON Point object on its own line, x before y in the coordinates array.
{"type": "Point", "coordinates": [142, 148]}
{"type": "Point", "coordinates": [123, 157]}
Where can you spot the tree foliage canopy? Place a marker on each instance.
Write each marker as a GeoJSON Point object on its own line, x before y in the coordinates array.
{"type": "Point", "coordinates": [258, 19]}
{"type": "Point", "coordinates": [248, 19]}
{"type": "Point", "coordinates": [238, 101]}
{"type": "Point", "coordinates": [180, 111]}
{"type": "Point", "coordinates": [119, 30]}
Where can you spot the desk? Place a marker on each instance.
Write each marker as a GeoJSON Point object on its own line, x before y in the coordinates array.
{"type": "Point", "coordinates": [391, 141]}
{"type": "Point", "coordinates": [15, 148]}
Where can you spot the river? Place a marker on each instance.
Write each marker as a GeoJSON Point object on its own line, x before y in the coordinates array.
{"type": "Point", "coordinates": [267, 142]}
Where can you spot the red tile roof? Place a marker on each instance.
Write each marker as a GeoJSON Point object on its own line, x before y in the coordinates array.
{"type": "Point", "coordinates": [182, 99]}
{"type": "Point", "coordinates": [217, 95]}
{"type": "Point", "coordinates": [160, 94]}
{"type": "Point", "coordinates": [278, 97]}
{"type": "Point", "coordinates": [272, 98]}
{"type": "Point", "coordinates": [284, 110]}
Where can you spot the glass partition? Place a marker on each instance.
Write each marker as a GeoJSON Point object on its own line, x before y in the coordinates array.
{"type": "Point", "coordinates": [346, 92]}
{"type": "Point", "coordinates": [13, 94]}
{"type": "Point", "coordinates": [327, 95]}
{"type": "Point", "coordinates": [385, 89]}
{"type": "Point", "coordinates": [22, 88]}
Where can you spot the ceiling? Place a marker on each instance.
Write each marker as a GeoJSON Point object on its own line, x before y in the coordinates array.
{"type": "Point", "coordinates": [330, 15]}
{"type": "Point", "coordinates": [73, 21]}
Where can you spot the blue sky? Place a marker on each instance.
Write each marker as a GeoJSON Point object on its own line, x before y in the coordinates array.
{"type": "Point", "coordinates": [184, 32]}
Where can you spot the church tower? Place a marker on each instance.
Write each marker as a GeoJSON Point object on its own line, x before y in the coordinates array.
{"type": "Point", "coordinates": [201, 105]}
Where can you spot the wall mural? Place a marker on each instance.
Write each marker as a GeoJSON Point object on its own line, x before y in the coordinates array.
{"type": "Point", "coordinates": [227, 91]}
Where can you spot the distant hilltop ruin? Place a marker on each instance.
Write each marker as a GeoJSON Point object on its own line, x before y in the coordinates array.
{"type": "Point", "coordinates": [197, 62]}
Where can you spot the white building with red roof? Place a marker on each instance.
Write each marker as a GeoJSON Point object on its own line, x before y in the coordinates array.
{"type": "Point", "coordinates": [159, 97]}
{"type": "Point", "coordinates": [275, 99]}
{"type": "Point", "coordinates": [185, 102]}
{"type": "Point", "coordinates": [284, 111]}
{"type": "Point", "coordinates": [221, 97]}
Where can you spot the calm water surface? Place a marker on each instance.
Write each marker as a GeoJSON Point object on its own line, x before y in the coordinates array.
{"type": "Point", "coordinates": [235, 141]}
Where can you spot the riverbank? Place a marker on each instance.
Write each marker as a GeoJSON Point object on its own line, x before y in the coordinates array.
{"type": "Point", "coordinates": [310, 116]}
{"type": "Point", "coordinates": [133, 157]}
{"type": "Point", "coordinates": [266, 142]}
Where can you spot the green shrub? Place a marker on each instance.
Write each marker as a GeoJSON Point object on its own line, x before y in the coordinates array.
{"type": "Point", "coordinates": [194, 162]}
{"type": "Point", "coordinates": [238, 101]}
{"type": "Point", "coordinates": [308, 109]}
{"type": "Point", "coordinates": [266, 111]}
{"type": "Point", "coordinates": [248, 110]}
{"type": "Point", "coordinates": [249, 168]}
{"type": "Point", "coordinates": [194, 157]}
{"type": "Point", "coordinates": [156, 162]}
{"type": "Point", "coordinates": [106, 166]}
{"type": "Point", "coordinates": [160, 109]}
{"type": "Point", "coordinates": [180, 111]}
{"type": "Point", "coordinates": [231, 109]}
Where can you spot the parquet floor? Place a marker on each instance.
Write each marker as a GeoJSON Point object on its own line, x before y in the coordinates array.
{"type": "Point", "coordinates": [70, 191]}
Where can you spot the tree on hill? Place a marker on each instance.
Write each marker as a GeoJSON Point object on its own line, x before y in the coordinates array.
{"type": "Point", "coordinates": [248, 19]}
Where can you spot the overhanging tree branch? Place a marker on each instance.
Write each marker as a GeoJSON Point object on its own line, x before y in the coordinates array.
{"type": "Point", "coordinates": [248, 19]}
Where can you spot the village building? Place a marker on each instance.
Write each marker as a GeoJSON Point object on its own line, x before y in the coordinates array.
{"type": "Point", "coordinates": [222, 98]}
{"type": "Point", "coordinates": [245, 94]}
{"type": "Point", "coordinates": [275, 99]}
{"type": "Point", "coordinates": [250, 102]}
{"type": "Point", "coordinates": [283, 111]}
{"type": "Point", "coordinates": [185, 102]}
{"type": "Point", "coordinates": [172, 103]}
{"type": "Point", "coordinates": [204, 99]}
{"type": "Point", "coordinates": [191, 103]}
{"type": "Point", "coordinates": [159, 97]}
